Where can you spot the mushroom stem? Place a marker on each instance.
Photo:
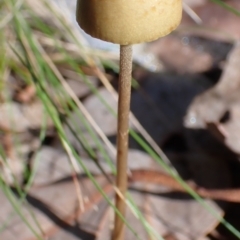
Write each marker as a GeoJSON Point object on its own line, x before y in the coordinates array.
{"type": "Point", "coordinates": [124, 91]}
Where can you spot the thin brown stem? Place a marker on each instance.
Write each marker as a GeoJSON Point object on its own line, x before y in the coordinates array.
{"type": "Point", "coordinates": [122, 136]}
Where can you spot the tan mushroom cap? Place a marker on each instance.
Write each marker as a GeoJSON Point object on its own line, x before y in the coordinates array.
{"type": "Point", "coordinates": [128, 21]}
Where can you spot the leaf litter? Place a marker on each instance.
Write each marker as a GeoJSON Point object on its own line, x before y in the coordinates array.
{"type": "Point", "coordinates": [172, 214]}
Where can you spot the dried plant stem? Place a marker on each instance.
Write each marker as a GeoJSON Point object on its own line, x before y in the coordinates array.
{"type": "Point", "coordinates": [124, 90]}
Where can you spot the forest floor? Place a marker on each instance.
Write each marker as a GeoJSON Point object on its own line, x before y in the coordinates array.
{"type": "Point", "coordinates": [58, 130]}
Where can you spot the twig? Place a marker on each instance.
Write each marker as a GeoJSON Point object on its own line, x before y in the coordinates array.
{"type": "Point", "coordinates": [160, 178]}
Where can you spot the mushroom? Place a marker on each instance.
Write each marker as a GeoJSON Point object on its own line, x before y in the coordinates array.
{"type": "Point", "coordinates": [126, 22]}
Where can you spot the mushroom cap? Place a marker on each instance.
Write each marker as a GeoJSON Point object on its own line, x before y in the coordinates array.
{"type": "Point", "coordinates": [128, 21]}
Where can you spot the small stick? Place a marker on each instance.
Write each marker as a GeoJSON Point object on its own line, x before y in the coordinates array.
{"type": "Point", "coordinates": [122, 136]}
